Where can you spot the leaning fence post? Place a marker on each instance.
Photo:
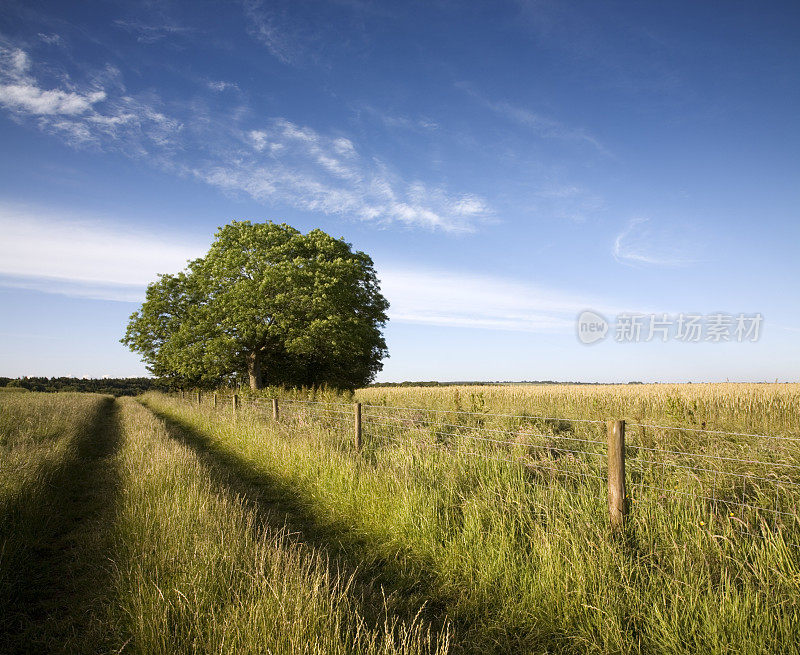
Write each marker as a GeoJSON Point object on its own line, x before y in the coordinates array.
{"type": "Point", "coordinates": [275, 409]}
{"type": "Point", "coordinates": [617, 500]}
{"type": "Point", "coordinates": [357, 431]}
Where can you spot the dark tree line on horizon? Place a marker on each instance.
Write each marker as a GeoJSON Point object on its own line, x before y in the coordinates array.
{"type": "Point", "coordinates": [110, 386]}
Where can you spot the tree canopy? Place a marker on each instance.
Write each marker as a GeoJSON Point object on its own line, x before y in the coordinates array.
{"type": "Point", "coordinates": [269, 304]}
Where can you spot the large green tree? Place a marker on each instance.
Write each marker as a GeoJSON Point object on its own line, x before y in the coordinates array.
{"type": "Point", "coordinates": [269, 303]}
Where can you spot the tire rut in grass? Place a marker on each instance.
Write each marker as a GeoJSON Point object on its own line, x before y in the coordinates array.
{"type": "Point", "coordinates": [51, 599]}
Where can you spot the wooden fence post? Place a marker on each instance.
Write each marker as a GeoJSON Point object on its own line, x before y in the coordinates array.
{"type": "Point", "coordinates": [199, 398]}
{"type": "Point", "coordinates": [215, 400]}
{"type": "Point", "coordinates": [357, 432]}
{"type": "Point", "coordinates": [617, 499]}
{"type": "Point", "coordinates": [275, 409]}
{"type": "Point", "coordinates": [234, 406]}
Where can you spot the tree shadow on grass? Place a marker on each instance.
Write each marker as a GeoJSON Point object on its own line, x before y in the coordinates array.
{"type": "Point", "coordinates": [54, 566]}
{"type": "Point", "coordinates": [383, 588]}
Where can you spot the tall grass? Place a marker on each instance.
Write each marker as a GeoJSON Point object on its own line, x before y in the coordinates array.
{"type": "Point", "coordinates": [35, 432]}
{"type": "Point", "coordinates": [523, 560]}
{"type": "Point", "coordinates": [50, 539]}
{"type": "Point", "coordinates": [200, 571]}
{"type": "Point", "coordinates": [115, 537]}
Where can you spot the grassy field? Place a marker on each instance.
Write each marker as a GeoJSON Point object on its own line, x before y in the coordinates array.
{"type": "Point", "coordinates": [186, 530]}
{"type": "Point", "coordinates": [118, 537]}
{"type": "Point", "coordinates": [519, 555]}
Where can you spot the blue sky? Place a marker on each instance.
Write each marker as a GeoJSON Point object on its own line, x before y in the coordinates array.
{"type": "Point", "coordinates": [506, 164]}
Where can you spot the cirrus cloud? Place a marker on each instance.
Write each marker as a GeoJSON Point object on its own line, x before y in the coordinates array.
{"type": "Point", "coordinates": [275, 162]}
{"type": "Point", "coordinates": [642, 243]}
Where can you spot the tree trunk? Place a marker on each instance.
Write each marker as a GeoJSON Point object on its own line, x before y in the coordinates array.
{"type": "Point", "coordinates": [254, 371]}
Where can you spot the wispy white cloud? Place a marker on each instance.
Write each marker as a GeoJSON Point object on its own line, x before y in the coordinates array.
{"type": "Point", "coordinates": [296, 41]}
{"type": "Point", "coordinates": [150, 33]}
{"type": "Point", "coordinates": [221, 85]}
{"type": "Point", "coordinates": [568, 202]}
{"type": "Point", "coordinates": [296, 165]}
{"type": "Point", "coordinates": [83, 290]}
{"type": "Point", "coordinates": [19, 92]}
{"type": "Point", "coordinates": [28, 98]}
{"type": "Point", "coordinates": [276, 162]}
{"type": "Point", "coordinates": [457, 299]}
{"type": "Point", "coordinates": [641, 243]}
{"type": "Point", "coordinates": [273, 31]}
{"type": "Point", "coordinates": [326, 174]}
{"type": "Point", "coordinates": [84, 257]}
{"type": "Point", "coordinates": [541, 125]}
{"type": "Point", "coordinates": [50, 39]}
{"type": "Point", "coordinates": [86, 116]}
{"type": "Point", "coordinates": [399, 121]}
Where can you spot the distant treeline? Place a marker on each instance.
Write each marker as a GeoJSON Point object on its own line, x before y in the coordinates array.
{"type": "Point", "coordinates": [135, 386]}
{"type": "Point", "coordinates": [111, 386]}
{"type": "Point", "coordinates": [478, 383]}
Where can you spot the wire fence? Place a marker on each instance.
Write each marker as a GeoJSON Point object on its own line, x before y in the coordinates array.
{"type": "Point", "coordinates": [749, 483]}
{"type": "Point", "coordinates": [727, 481]}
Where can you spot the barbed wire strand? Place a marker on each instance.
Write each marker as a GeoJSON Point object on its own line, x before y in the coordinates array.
{"type": "Point", "coordinates": [485, 414]}
{"type": "Point", "coordinates": [706, 431]}
{"type": "Point", "coordinates": [403, 422]}
{"type": "Point", "coordinates": [515, 460]}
